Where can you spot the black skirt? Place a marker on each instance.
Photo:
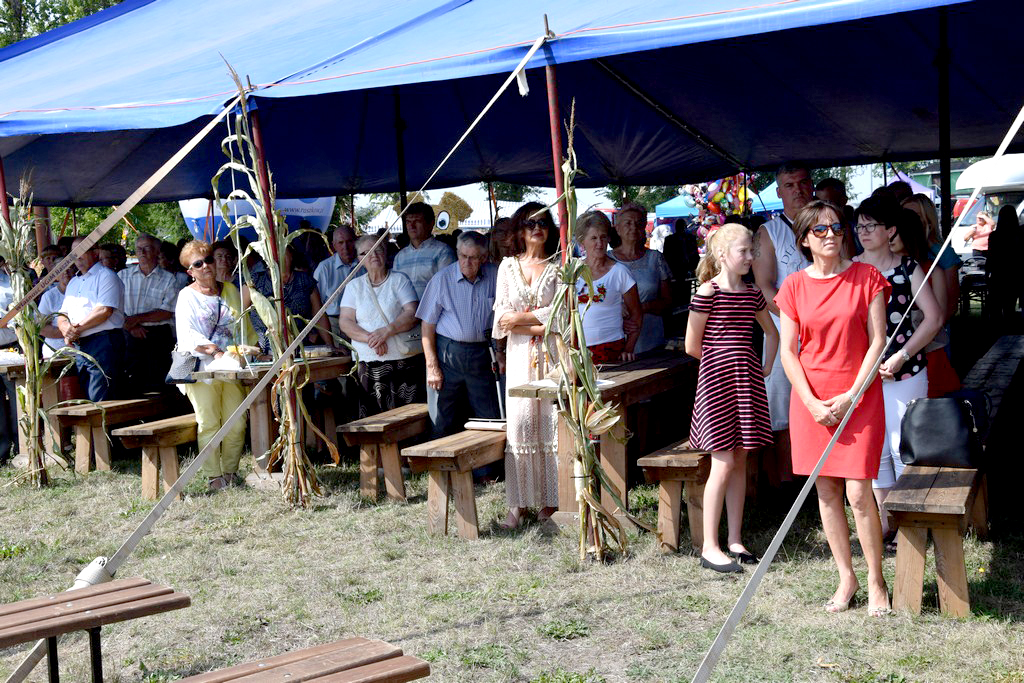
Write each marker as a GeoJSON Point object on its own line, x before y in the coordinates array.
{"type": "Point", "coordinates": [391, 384]}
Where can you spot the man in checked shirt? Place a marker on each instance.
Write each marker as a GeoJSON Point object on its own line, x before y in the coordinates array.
{"type": "Point", "coordinates": [456, 309]}
{"type": "Point", "coordinates": [150, 293]}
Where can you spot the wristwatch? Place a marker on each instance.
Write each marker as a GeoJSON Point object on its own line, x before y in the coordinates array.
{"type": "Point", "coordinates": [906, 356]}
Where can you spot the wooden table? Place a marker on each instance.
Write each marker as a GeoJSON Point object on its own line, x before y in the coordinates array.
{"type": "Point", "coordinates": [629, 383]}
{"type": "Point", "coordinates": [85, 609]}
{"type": "Point", "coordinates": [50, 396]}
{"type": "Point", "coordinates": [261, 419]}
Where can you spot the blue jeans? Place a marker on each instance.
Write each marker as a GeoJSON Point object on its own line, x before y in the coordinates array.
{"type": "Point", "coordinates": [468, 389]}
{"type": "Point", "coordinates": [101, 380]}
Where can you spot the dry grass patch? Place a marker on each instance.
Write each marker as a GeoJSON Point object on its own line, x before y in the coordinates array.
{"type": "Point", "coordinates": [513, 606]}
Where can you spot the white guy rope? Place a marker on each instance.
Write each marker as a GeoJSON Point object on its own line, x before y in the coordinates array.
{"type": "Point", "coordinates": [718, 646]}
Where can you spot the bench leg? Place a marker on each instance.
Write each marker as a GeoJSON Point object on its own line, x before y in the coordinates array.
{"type": "Point", "coordinates": [669, 506]}
{"type": "Point", "coordinates": [979, 511]}
{"type": "Point", "coordinates": [951, 572]}
{"type": "Point", "coordinates": [83, 448]}
{"type": "Point", "coordinates": [465, 505]}
{"type": "Point", "coordinates": [613, 460]}
{"type": "Point", "coordinates": [566, 463]}
{"type": "Point", "coordinates": [911, 545]}
{"type": "Point", "coordinates": [169, 467]}
{"type": "Point", "coordinates": [695, 513]}
{"type": "Point", "coordinates": [101, 447]}
{"type": "Point", "coordinates": [437, 502]}
{"type": "Point", "coordinates": [368, 471]}
{"type": "Point", "coordinates": [150, 469]}
{"type": "Point", "coordinates": [51, 428]}
{"type": "Point", "coordinates": [393, 481]}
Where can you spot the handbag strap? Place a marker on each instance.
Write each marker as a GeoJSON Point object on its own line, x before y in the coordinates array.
{"type": "Point", "coordinates": [376, 302]}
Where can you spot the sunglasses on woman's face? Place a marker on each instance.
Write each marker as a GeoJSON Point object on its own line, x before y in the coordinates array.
{"type": "Point", "coordinates": [198, 263]}
{"type": "Point", "coordinates": [532, 223]}
{"type": "Point", "coordinates": [822, 230]}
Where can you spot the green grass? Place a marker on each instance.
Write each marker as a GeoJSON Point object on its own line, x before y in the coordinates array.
{"type": "Point", "coordinates": [509, 608]}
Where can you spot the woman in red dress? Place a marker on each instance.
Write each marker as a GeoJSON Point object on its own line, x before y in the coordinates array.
{"type": "Point", "coordinates": [833, 330]}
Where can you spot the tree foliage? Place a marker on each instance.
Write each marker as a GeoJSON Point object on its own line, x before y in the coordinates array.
{"type": "Point", "coordinates": [162, 220]}
{"type": "Point", "coordinates": [21, 19]}
{"type": "Point", "coordinates": [647, 195]}
{"type": "Point", "coordinates": [511, 192]}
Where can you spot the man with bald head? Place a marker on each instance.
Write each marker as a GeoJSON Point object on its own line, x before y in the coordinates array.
{"type": "Point", "coordinates": [150, 293]}
{"type": "Point", "coordinates": [331, 272]}
{"type": "Point", "coordinates": [776, 257]}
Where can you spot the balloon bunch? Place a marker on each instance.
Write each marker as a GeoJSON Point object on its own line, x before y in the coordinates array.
{"type": "Point", "coordinates": [718, 199]}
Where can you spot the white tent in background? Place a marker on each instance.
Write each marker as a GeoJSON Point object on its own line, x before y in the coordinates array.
{"type": "Point", "coordinates": [479, 219]}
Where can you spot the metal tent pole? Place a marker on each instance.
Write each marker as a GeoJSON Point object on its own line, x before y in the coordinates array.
{"type": "Point", "coordinates": [4, 206]}
{"type": "Point", "coordinates": [945, 165]}
{"type": "Point", "coordinates": [44, 236]}
{"type": "Point", "coordinates": [554, 120]}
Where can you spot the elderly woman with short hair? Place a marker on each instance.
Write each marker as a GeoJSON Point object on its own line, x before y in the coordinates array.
{"type": "Point", "coordinates": [376, 309]}
{"type": "Point", "coordinates": [648, 268]}
{"type": "Point", "coordinates": [207, 316]}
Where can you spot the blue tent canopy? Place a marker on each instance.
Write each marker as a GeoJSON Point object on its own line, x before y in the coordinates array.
{"type": "Point", "coordinates": [94, 107]}
{"type": "Point", "coordinates": [768, 199]}
{"type": "Point", "coordinates": [676, 207]}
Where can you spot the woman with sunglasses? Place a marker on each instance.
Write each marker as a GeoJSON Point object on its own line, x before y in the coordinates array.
{"type": "Point", "coordinates": [833, 330]}
{"type": "Point", "coordinates": [206, 319]}
{"type": "Point", "coordinates": [904, 371]}
{"type": "Point", "coordinates": [526, 285]}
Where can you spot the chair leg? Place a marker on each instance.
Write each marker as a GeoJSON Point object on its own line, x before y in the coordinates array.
{"type": "Point", "coordinates": [83, 448]}
{"type": "Point", "coordinates": [465, 505]}
{"type": "Point", "coordinates": [101, 447]}
{"type": "Point", "coordinates": [951, 573]}
{"type": "Point", "coordinates": [368, 471]}
{"type": "Point", "coordinates": [911, 546]}
{"type": "Point", "coordinates": [169, 467]}
{"type": "Point", "coordinates": [669, 507]}
{"type": "Point", "coordinates": [437, 502]}
{"type": "Point", "coordinates": [393, 481]}
{"type": "Point", "coordinates": [150, 469]}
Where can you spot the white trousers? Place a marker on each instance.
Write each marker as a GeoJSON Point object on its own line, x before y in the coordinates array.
{"type": "Point", "coordinates": [896, 396]}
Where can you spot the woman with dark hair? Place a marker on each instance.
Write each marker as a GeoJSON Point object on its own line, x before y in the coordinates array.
{"type": "Point", "coordinates": [168, 260]}
{"type": "Point", "coordinates": [526, 286]}
{"type": "Point", "coordinates": [649, 270]}
{"type": "Point", "coordinates": [893, 240]}
{"type": "Point", "coordinates": [833, 330]}
{"type": "Point", "coordinates": [501, 240]}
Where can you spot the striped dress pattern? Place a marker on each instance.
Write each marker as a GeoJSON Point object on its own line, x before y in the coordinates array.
{"type": "Point", "coordinates": [730, 410]}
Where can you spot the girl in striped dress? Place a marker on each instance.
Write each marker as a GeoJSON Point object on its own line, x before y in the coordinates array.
{"type": "Point", "coordinates": [730, 412]}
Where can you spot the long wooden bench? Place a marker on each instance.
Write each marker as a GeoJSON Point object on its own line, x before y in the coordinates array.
{"type": "Point", "coordinates": [450, 462]}
{"type": "Point", "coordinates": [91, 420]}
{"type": "Point", "coordinates": [84, 609]}
{"type": "Point", "coordinates": [671, 467]}
{"type": "Point", "coordinates": [159, 441]}
{"type": "Point", "coordinates": [353, 660]}
{"type": "Point", "coordinates": [940, 501]}
{"type": "Point", "coordinates": [377, 437]}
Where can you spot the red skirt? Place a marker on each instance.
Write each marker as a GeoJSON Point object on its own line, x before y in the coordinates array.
{"type": "Point", "coordinates": [610, 352]}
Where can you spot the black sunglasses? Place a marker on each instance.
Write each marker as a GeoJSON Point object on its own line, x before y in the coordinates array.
{"type": "Point", "coordinates": [198, 263]}
{"type": "Point", "coordinates": [542, 222]}
{"type": "Point", "coordinates": [822, 230]}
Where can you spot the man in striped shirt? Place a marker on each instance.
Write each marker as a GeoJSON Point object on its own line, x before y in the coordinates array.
{"type": "Point", "coordinates": [424, 256]}
{"type": "Point", "coordinates": [150, 293]}
{"type": "Point", "coordinates": [457, 309]}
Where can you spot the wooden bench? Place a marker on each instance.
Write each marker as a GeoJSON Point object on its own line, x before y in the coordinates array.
{"type": "Point", "coordinates": [942, 501]}
{"type": "Point", "coordinates": [377, 437]}
{"type": "Point", "coordinates": [353, 660]}
{"type": "Point", "coordinates": [159, 441]}
{"type": "Point", "coordinates": [670, 467]}
{"type": "Point", "coordinates": [84, 609]}
{"type": "Point", "coordinates": [90, 421]}
{"type": "Point", "coordinates": [450, 462]}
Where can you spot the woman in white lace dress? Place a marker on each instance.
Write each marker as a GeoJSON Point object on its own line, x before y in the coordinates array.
{"type": "Point", "coordinates": [522, 306]}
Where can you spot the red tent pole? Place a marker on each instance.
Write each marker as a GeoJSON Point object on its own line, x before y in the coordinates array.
{"type": "Point", "coordinates": [261, 166]}
{"type": "Point", "coordinates": [4, 206]}
{"type": "Point", "coordinates": [554, 120]}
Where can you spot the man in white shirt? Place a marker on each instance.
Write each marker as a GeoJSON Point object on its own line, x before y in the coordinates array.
{"type": "Point", "coordinates": [424, 256]}
{"type": "Point", "coordinates": [92, 320]}
{"type": "Point", "coordinates": [150, 293]}
{"type": "Point", "coordinates": [330, 273]}
{"type": "Point", "coordinates": [776, 257]}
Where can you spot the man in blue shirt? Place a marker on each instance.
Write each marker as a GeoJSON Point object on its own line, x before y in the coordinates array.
{"type": "Point", "coordinates": [456, 310]}
{"type": "Point", "coordinates": [425, 255]}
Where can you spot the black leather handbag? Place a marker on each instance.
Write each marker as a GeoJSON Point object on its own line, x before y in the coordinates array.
{"type": "Point", "coordinates": [945, 432]}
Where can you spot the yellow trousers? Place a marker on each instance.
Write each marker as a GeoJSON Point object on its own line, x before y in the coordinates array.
{"type": "Point", "coordinates": [213, 404]}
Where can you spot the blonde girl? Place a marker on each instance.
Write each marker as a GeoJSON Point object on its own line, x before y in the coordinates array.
{"type": "Point", "coordinates": [730, 412]}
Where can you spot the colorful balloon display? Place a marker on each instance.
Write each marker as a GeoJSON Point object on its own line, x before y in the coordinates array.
{"type": "Point", "coordinates": [718, 199]}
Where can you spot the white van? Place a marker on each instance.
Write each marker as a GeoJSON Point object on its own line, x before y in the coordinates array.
{"type": "Point", "coordinates": [1002, 183]}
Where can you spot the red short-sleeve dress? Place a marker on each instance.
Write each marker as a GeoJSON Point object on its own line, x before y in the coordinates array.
{"type": "Point", "coordinates": [832, 318]}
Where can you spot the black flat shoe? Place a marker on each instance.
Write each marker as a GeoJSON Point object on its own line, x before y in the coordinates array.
{"type": "Point", "coordinates": [745, 557]}
{"type": "Point", "coordinates": [727, 568]}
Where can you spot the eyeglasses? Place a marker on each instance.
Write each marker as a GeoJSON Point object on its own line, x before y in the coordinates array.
{"type": "Point", "coordinates": [532, 223]}
{"type": "Point", "coordinates": [198, 263]}
{"type": "Point", "coordinates": [822, 230]}
{"type": "Point", "coordinates": [866, 228]}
